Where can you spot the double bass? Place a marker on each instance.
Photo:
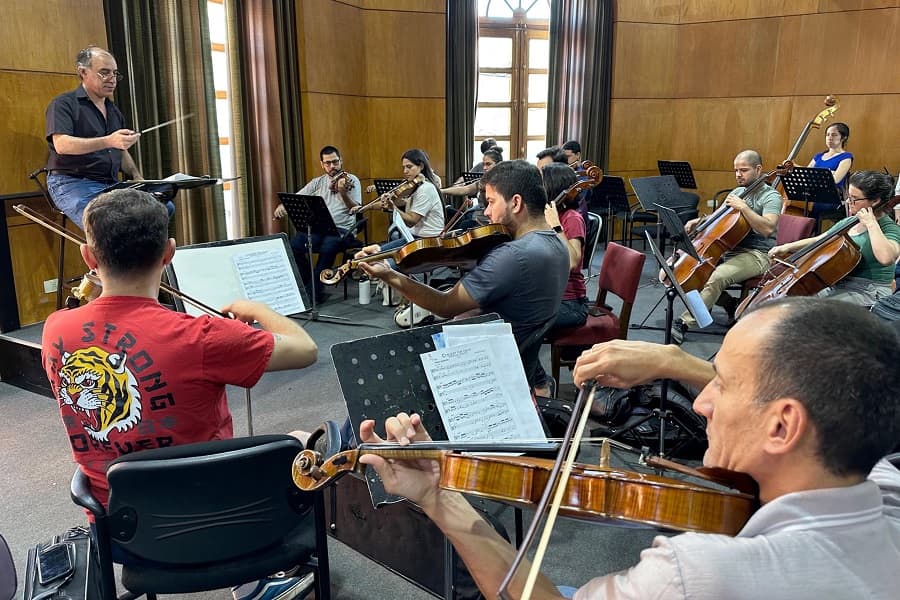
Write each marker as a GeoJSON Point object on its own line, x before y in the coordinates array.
{"type": "Point", "coordinates": [813, 268]}
{"type": "Point", "coordinates": [718, 233]}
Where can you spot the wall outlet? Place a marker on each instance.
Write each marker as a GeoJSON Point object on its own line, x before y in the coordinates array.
{"type": "Point", "coordinates": [50, 286]}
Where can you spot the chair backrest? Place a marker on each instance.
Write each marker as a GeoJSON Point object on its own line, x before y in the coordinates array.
{"type": "Point", "coordinates": [207, 502]}
{"type": "Point", "coordinates": [792, 228]}
{"type": "Point", "coordinates": [593, 224]}
{"type": "Point", "coordinates": [8, 581]}
{"type": "Point", "coordinates": [620, 274]}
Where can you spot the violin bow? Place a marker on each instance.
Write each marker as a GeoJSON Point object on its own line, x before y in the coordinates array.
{"type": "Point", "coordinates": [556, 486]}
{"type": "Point", "coordinates": [77, 239]}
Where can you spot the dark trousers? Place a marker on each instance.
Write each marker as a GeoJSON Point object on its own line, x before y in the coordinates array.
{"type": "Point", "coordinates": [572, 313]}
{"type": "Point", "coordinates": [326, 246]}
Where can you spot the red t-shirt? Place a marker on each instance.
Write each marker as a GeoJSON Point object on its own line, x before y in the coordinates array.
{"type": "Point", "coordinates": [573, 226]}
{"type": "Point", "coordinates": [131, 375]}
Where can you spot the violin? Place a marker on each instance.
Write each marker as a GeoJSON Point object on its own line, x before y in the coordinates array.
{"type": "Point", "coordinates": [587, 179]}
{"type": "Point", "coordinates": [402, 190]}
{"type": "Point", "coordinates": [593, 492]}
{"type": "Point", "coordinates": [341, 176]}
{"type": "Point", "coordinates": [813, 268]}
{"type": "Point", "coordinates": [718, 233]}
{"type": "Point", "coordinates": [462, 249]}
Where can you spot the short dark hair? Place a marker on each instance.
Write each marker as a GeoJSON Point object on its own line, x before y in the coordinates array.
{"type": "Point", "coordinates": [488, 144]}
{"type": "Point", "coordinates": [512, 177]}
{"type": "Point", "coordinates": [843, 129]}
{"type": "Point", "coordinates": [495, 152]}
{"type": "Point", "coordinates": [573, 146]}
{"type": "Point", "coordinates": [874, 185]}
{"type": "Point", "coordinates": [552, 151]}
{"type": "Point", "coordinates": [557, 178]}
{"type": "Point", "coordinates": [127, 230]}
{"type": "Point", "coordinates": [853, 405]}
{"type": "Point", "coordinates": [328, 150]}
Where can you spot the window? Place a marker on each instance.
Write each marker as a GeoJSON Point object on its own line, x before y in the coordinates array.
{"type": "Point", "coordinates": [513, 68]}
{"type": "Point", "coordinates": [218, 37]}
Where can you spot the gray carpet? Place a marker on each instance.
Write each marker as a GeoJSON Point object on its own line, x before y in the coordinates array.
{"type": "Point", "coordinates": [37, 464]}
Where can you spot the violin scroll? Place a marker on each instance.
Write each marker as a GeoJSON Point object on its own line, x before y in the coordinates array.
{"type": "Point", "coordinates": [312, 472]}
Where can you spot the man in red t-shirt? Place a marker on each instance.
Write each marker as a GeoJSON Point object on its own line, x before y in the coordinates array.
{"type": "Point", "coordinates": [131, 375]}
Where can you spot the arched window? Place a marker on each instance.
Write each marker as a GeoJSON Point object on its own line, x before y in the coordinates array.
{"type": "Point", "coordinates": [513, 66]}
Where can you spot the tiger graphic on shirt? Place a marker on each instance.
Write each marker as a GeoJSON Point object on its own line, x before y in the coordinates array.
{"type": "Point", "coordinates": [101, 390]}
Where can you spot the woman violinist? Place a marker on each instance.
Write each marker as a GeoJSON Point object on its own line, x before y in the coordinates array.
{"type": "Point", "coordinates": [876, 234]}
{"type": "Point", "coordinates": [569, 225]}
{"type": "Point", "coordinates": [422, 211]}
{"type": "Point", "coordinates": [835, 159]}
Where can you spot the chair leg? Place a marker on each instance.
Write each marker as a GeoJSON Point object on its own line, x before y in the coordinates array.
{"type": "Point", "coordinates": [323, 574]}
{"type": "Point", "coordinates": [60, 267]}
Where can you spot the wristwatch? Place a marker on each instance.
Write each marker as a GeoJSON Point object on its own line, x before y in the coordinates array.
{"type": "Point", "coordinates": [558, 229]}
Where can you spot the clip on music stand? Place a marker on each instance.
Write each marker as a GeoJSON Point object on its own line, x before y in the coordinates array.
{"type": "Point", "coordinates": [697, 310]}
{"type": "Point", "coordinates": [307, 213]}
{"type": "Point", "coordinates": [381, 376]}
{"type": "Point", "coordinates": [811, 185]}
{"type": "Point", "coordinates": [682, 171]}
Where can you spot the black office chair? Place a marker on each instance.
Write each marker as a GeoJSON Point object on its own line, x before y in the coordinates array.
{"type": "Point", "coordinates": [207, 516]}
{"type": "Point", "coordinates": [35, 176]}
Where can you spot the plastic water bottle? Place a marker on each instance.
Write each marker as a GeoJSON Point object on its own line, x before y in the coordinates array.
{"type": "Point", "coordinates": [365, 291]}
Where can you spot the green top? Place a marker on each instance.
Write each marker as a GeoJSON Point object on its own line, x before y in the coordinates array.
{"type": "Point", "coordinates": [868, 266]}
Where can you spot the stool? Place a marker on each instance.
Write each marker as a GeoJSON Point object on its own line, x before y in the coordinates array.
{"type": "Point", "coordinates": [61, 256]}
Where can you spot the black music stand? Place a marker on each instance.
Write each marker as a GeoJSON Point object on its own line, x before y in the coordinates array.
{"type": "Point", "coordinates": [469, 177]}
{"type": "Point", "coordinates": [383, 186]}
{"type": "Point", "coordinates": [307, 213]}
{"type": "Point", "coordinates": [808, 184]}
{"type": "Point", "coordinates": [658, 191]}
{"type": "Point", "coordinates": [673, 290]}
{"type": "Point", "coordinates": [164, 189]}
{"type": "Point", "coordinates": [610, 196]}
{"type": "Point", "coordinates": [682, 171]}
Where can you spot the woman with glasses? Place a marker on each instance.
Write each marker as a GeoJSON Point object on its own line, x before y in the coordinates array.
{"type": "Point", "coordinates": [87, 136]}
{"type": "Point", "coordinates": [876, 234]}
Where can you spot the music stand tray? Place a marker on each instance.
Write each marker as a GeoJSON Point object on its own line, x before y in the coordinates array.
{"type": "Point", "coordinates": [808, 184]}
{"type": "Point", "coordinates": [383, 186]}
{"type": "Point", "coordinates": [682, 171]}
{"type": "Point", "coordinates": [308, 213]}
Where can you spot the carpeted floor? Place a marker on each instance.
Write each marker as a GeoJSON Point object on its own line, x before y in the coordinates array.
{"type": "Point", "coordinates": [37, 465]}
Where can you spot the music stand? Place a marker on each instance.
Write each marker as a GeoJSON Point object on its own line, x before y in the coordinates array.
{"type": "Point", "coordinates": [469, 177]}
{"type": "Point", "coordinates": [697, 310]}
{"type": "Point", "coordinates": [383, 186]}
{"type": "Point", "coordinates": [164, 189]}
{"type": "Point", "coordinates": [681, 170]}
{"type": "Point", "coordinates": [611, 196]}
{"type": "Point", "coordinates": [662, 191]}
{"type": "Point", "coordinates": [811, 185]}
{"type": "Point", "coordinates": [307, 213]}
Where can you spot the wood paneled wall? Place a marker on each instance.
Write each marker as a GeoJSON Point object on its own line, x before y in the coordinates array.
{"type": "Point", "coordinates": [698, 80]}
{"type": "Point", "coordinates": [372, 84]}
{"type": "Point", "coordinates": [41, 41]}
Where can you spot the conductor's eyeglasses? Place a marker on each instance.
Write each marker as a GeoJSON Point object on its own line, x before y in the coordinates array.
{"type": "Point", "coordinates": [106, 75]}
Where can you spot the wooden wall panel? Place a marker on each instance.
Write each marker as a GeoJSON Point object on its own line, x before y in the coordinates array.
{"type": "Point", "coordinates": [405, 54]}
{"type": "Point", "coordinates": [843, 5]}
{"type": "Point", "coordinates": [648, 11]}
{"type": "Point", "coordinates": [23, 102]}
{"type": "Point", "coordinates": [339, 121]}
{"type": "Point", "coordinates": [435, 6]}
{"type": "Point", "coordinates": [394, 129]}
{"type": "Point", "coordinates": [26, 27]}
{"type": "Point", "coordinates": [703, 10]}
{"type": "Point", "coordinates": [651, 48]}
{"type": "Point", "coordinates": [331, 63]}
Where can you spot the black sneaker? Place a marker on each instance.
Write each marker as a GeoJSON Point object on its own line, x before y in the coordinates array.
{"type": "Point", "coordinates": [730, 304]}
{"type": "Point", "coordinates": [679, 330]}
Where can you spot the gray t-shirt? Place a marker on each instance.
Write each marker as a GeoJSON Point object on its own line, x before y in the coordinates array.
{"type": "Point", "coordinates": [523, 281]}
{"type": "Point", "coordinates": [764, 201]}
{"type": "Point", "coordinates": [321, 186]}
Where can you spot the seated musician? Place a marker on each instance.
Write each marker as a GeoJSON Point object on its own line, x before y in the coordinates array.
{"type": "Point", "coordinates": [748, 259]}
{"type": "Point", "coordinates": [829, 526]}
{"type": "Point", "coordinates": [572, 150]}
{"type": "Point", "coordinates": [130, 375]}
{"type": "Point", "coordinates": [491, 157]}
{"type": "Point", "coordinates": [877, 236]}
{"type": "Point", "coordinates": [87, 137]}
{"type": "Point", "coordinates": [486, 145]}
{"type": "Point", "coordinates": [423, 211]}
{"type": "Point", "coordinates": [835, 159]}
{"type": "Point", "coordinates": [568, 224]}
{"type": "Point", "coordinates": [522, 280]}
{"type": "Point", "coordinates": [553, 154]}
{"type": "Point", "coordinates": [341, 192]}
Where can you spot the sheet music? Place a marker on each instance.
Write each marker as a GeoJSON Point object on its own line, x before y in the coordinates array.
{"type": "Point", "coordinates": [481, 392]}
{"type": "Point", "coordinates": [404, 230]}
{"type": "Point", "coordinates": [265, 276]}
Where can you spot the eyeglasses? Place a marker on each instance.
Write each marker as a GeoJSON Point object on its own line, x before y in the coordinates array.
{"type": "Point", "coordinates": [336, 161]}
{"type": "Point", "coordinates": [852, 200]}
{"type": "Point", "coordinates": [106, 75]}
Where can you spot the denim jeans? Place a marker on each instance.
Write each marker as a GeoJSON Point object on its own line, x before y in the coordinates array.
{"type": "Point", "coordinates": [571, 313]}
{"type": "Point", "coordinates": [72, 194]}
{"type": "Point", "coordinates": [326, 246]}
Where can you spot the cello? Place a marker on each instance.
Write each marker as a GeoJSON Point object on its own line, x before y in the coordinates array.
{"type": "Point", "coordinates": [718, 233]}
{"type": "Point", "coordinates": [813, 268]}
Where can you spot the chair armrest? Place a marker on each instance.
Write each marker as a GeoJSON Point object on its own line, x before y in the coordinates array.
{"type": "Point", "coordinates": [80, 491]}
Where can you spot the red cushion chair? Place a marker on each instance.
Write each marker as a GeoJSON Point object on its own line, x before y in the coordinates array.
{"type": "Point", "coordinates": [620, 274]}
